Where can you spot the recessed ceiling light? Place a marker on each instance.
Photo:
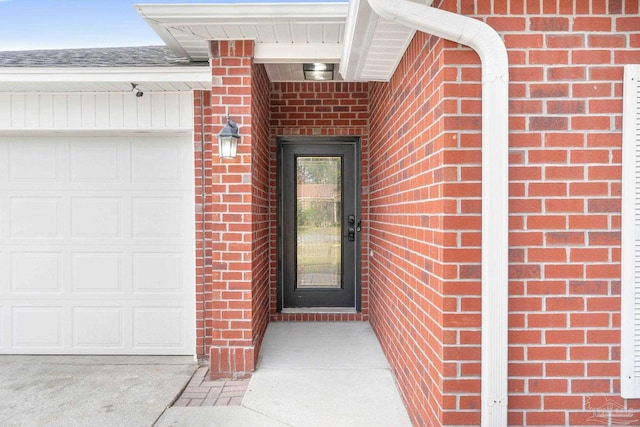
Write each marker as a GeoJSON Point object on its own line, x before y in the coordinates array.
{"type": "Point", "coordinates": [318, 71]}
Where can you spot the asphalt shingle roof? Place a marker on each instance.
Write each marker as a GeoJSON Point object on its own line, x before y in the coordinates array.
{"type": "Point", "coordinates": [140, 56]}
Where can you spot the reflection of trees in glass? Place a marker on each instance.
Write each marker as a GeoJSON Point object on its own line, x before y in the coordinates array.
{"type": "Point", "coordinates": [318, 191]}
{"type": "Point", "coordinates": [319, 213]}
{"type": "Point", "coordinates": [319, 170]}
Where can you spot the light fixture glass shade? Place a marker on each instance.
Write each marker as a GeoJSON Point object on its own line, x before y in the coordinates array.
{"type": "Point", "coordinates": [228, 140]}
{"type": "Point", "coordinates": [228, 147]}
{"type": "Point", "coordinates": [318, 71]}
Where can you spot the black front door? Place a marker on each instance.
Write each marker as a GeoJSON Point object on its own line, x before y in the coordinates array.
{"type": "Point", "coordinates": [319, 229]}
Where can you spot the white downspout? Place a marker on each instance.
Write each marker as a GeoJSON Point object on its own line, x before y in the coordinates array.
{"type": "Point", "coordinates": [495, 178]}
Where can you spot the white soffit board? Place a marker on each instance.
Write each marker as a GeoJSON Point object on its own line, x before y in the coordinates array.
{"type": "Point", "coordinates": [284, 33]}
{"type": "Point", "coordinates": [288, 34]}
{"type": "Point", "coordinates": [373, 46]}
{"type": "Point", "coordinates": [102, 79]}
{"type": "Point", "coordinates": [187, 28]}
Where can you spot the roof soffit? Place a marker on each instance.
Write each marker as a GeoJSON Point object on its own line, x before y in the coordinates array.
{"type": "Point", "coordinates": [373, 46]}
{"type": "Point", "coordinates": [287, 35]}
{"type": "Point", "coordinates": [310, 30]}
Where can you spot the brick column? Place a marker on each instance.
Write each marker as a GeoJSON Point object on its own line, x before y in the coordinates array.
{"type": "Point", "coordinates": [228, 217]}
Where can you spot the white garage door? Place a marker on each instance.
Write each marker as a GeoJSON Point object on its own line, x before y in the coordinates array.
{"type": "Point", "coordinates": [97, 245]}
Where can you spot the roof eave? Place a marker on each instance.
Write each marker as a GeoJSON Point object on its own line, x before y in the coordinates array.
{"type": "Point", "coordinates": [373, 47]}
{"type": "Point", "coordinates": [183, 28]}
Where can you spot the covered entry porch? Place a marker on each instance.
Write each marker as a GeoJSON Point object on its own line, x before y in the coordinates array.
{"type": "Point", "coordinates": [421, 184]}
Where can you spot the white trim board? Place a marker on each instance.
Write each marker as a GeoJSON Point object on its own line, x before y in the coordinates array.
{"type": "Point", "coordinates": [630, 258]}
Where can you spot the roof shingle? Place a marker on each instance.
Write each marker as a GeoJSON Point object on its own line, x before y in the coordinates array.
{"type": "Point", "coordinates": [139, 56]}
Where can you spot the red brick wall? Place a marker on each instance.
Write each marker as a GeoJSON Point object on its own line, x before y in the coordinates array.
{"type": "Point", "coordinates": [566, 115]}
{"type": "Point", "coordinates": [234, 313]}
{"type": "Point", "coordinates": [411, 216]}
{"type": "Point", "coordinates": [566, 69]}
{"type": "Point", "coordinates": [322, 109]}
{"type": "Point", "coordinates": [263, 252]}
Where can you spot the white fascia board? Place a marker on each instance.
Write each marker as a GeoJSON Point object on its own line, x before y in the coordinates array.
{"type": "Point", "coordinates": [369, 41]}
{"type": "Point", "coordinates": [279, 53]}
{"type": "Point", "coordinates": [629, 355]}
{"type": "Point", "coordinates": [100, 74]}
{"type": "Point", "coordinates": [358, 33]}
{"type": "Point", "coordinates": [261, 13]}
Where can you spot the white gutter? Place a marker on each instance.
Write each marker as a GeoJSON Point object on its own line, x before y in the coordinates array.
{"type": "Point", "coordinates": [495, 176]}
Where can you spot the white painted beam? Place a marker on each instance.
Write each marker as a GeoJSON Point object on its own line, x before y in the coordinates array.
{"type": "Point", "coordinates": [101, 79]}
{"type": "Point", "coordinates": [123, 74]}
{"type": "Point", "coordinates": [281, 53]}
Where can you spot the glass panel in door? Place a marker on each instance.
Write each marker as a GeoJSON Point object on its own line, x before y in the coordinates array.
{"type": "Point", "coordinates": [318, 222]}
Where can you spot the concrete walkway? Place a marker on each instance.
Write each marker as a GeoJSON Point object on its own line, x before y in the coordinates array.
{"type": "Point", "coordinates": [310, 375]}
{"type": "Point", "coordinates": [89, 390]}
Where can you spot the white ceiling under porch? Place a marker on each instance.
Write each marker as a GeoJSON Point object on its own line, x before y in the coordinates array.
{"type": "Point", "coordinates": [287, 35]}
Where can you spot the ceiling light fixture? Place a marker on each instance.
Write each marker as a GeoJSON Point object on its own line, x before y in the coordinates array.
{"type": "Point", "coordinates": [318, 71]}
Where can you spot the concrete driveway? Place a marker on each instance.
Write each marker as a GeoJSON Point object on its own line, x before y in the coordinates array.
{"type": "Point", "coordinates": [89, 390]}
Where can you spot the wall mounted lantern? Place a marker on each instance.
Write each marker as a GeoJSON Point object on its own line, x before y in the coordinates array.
{"type": "Point", "coordinates": [228, 140]}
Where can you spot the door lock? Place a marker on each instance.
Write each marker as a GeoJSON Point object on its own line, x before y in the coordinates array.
{"type": "Point", "coordinates": [351, 228]}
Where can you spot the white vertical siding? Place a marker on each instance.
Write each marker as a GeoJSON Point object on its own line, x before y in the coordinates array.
{"type": "Point", "coordinates": [96, 111]}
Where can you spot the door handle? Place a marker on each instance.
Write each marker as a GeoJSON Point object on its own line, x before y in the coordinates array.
{"type": "Point", "coordinates": [351, 228]}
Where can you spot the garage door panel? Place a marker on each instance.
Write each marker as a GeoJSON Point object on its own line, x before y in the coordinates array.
{"type": "Point", "coordinates": [4, 215]}
{"type": "Point", "coordinates": [158, 327]}
{"type": "Point", "coordinates": [37, 162]}
{"type": "Point", "coordinates": [36, 217]}
{"type": "Point", "coordinates": [4, 274]}
{"type": "Point", "coordinates": [157, 217]}
{"type": "Point", "coordinates": [97, 272]}
{"type": "Point", "coordinates": [153, 162]}
{"type": "Point", "coordinates": [4, 165]}
{"type": "Point", "coordinates": [96, 217]}
{"type": "Point", "coordinates": [37, 328]}
{"type": "Point", "coordinates": [36, 272]}
{"type": "Point", "coordinates": [98, 328]}
{"type": "Point", "coordinates": [93, 162]}
{"type": "Point", "coordinates": [96, 247]}
{"type": "Point", "coordinates": [158, 272]}
{"type": "Point", "coordinates": [5, 334]}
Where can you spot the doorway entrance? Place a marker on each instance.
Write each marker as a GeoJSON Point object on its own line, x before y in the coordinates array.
{"type": "Point", "coordinates": [319, 223]}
